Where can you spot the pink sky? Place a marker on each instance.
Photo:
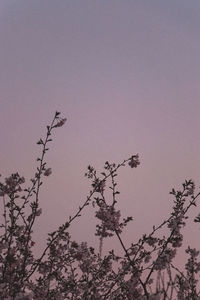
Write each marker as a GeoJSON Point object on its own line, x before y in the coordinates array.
{"type": "Point", "coordinates": [126, 75]}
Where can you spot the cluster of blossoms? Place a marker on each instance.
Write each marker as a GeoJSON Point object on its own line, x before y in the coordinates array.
{"type": "Point", "coordinates": [12, 185]}
{"type": "Point", "coordinates": [110, 220]}
{"type": "Point", "coordinates": [70, 270]}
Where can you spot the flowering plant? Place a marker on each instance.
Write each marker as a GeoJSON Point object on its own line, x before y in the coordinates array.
{"type": "Point", "coordinates": [67, 269]}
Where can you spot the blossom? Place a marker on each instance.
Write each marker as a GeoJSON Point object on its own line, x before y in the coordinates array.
{"type": "Point", "coordinates": [99, 185]}
{"type": "Point", "coordinates": [190, 188]}
{"type": "Point", "coordinates": [47, 172]}
{"type": "Point", "coordinates": [38, 212]}
{"type": "Point", "coordinates": [61, 122]}
{"type": "Point", "coordinates": [134, 161]}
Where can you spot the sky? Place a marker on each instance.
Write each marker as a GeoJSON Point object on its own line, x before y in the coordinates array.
{"type": "Point", "coordinates": [126, 76]}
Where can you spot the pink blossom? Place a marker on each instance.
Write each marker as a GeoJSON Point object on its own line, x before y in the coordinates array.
{"type": "Point", "coordinates": [134, 161]}
{"type": "Point", "coordinates": [47, 172]}
{"type": "Point", "coordinates": [61, 122]}
{"type": "Point", "coordinates": [38, 212]}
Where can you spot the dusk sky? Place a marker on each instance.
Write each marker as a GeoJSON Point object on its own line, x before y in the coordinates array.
{"type": "Point", "coordinates": [126, 75]}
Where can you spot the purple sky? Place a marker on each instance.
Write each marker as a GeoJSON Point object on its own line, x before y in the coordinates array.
{"type": "Point", "coordinates": [126, 75]}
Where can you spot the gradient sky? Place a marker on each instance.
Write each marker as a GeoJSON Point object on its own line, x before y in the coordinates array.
{"type": "Point", "coordinates": [126, 76]}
